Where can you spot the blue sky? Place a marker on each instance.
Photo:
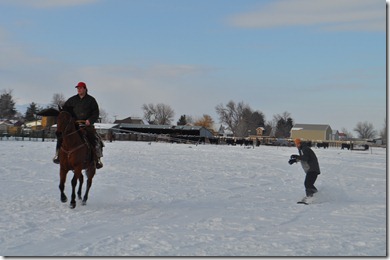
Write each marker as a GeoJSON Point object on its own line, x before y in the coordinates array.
{"type": "Point", "coordinates": [324, 62]}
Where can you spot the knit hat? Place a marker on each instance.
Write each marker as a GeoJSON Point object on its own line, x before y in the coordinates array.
{"type": "Point", "coordinates": [81, 85]}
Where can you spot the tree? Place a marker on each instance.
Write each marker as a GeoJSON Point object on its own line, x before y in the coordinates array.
{"type": "Point", "coordinates": [240, 118]}
{"type": "Point", "coordinates": [348, 135]}
{"type": "Point", "coordinates": [231, 115]}
{"type": "Point", "coordinates": [268, 128]}
{"type": "Point", "coordinates": [57, 100]}
{"type": "Point", "coordinates": [160, 114]}
{"type": "Point", "coordinates": [251, 120]}
{"type": "Point", "coordinates": [31, 112]}
{"type": "Point", "coordinates": [103, 115]}
{"type": "Point", "coordinates": [383, 133]}
{"type": "Point", "coordinates": [283, 123]}
{"type": "Point", "coordinates": [365, 130]}
{"type": "Point", "coordinates": [7, 105]}
{"type": "Point", "coordinates": [182, 120]}
{"type": "Point", "coordinates": [206, 121]}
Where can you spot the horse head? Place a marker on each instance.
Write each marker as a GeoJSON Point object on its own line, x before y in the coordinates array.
{"type": "Point", "coordinates": [65, 122]}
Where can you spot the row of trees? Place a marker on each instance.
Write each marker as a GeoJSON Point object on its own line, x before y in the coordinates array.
{"type": "Point", "coordinates": [242, 120]}
{"type": "Point", "coordinates": [239, 118]}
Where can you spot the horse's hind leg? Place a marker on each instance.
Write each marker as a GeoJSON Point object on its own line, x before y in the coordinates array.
{"type": "Point", "coordinates": [90, 173]}
{"type": "Point", "coordinates": [81, 181]}
{"type": "Point", "coordinates": [62, 185]}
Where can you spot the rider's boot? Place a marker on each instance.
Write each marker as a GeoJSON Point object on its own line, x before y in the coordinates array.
{"type": "Point", "coordinates": [56, 159]}
{"type": "Point", "coordinates": [99, 154]}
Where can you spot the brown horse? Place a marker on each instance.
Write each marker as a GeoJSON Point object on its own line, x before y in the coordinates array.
{"type": "Point", "coordinates": [75, 155]}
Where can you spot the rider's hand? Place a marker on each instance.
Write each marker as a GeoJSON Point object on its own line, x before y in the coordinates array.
{"type": "Point", "coordinates": [87, 123]}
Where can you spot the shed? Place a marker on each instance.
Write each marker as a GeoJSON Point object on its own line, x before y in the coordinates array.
{"type": "Point", "coordinates": [171, 130]}
{"type": "Point", "coordinates": [311, 132]}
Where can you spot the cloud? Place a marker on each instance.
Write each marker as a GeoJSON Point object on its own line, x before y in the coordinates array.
{"type": "Point", "coordinates": [331, 15]}
{"type": "Point", "coordinates": [48, 3]}
{"type": "Point", "coordinates": [120, 89]}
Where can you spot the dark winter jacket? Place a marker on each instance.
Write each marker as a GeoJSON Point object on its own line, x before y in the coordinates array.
{"type": "Point", "coordinates": [85, 108]}
{"type": "Point", "coordinates": [308, 159]}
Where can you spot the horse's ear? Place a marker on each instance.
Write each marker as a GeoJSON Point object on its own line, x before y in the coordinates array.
{"type": "Point", "coordinates": [60, 108]}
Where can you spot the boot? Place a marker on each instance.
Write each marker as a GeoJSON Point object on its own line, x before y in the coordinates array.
{"type": "Point", "coordinates": [56, 160]}
{"type": "Point", "coordinates": [99, 163]}
{"type": "Point", "coordinates": [99, 154]}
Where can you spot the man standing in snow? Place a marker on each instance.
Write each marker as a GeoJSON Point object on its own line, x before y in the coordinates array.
{"type": "Point", "coordinates": [84, 108]}
{"type": "Point", "coordinates": [309, 164]}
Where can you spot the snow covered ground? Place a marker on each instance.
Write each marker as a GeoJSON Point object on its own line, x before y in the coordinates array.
{"type": "Point", "coordinates": [163, 199]}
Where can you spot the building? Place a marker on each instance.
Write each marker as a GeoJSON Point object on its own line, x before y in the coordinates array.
{"type": "Point", "coordinates": [335, 135]}
{"type": "Point", "coordinates": [131, 120]}
{"type": "Point", "coordinates": [180, 130]}
{"type": "Point", "coordinates": [311, 132]}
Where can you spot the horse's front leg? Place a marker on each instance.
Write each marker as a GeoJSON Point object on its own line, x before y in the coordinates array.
{"type": "Point", "coordinates": [74, 183]}
{"type": "Point", "coordinates": [81, 181]}
{"type": "Point", "coordinates": [62, 185]}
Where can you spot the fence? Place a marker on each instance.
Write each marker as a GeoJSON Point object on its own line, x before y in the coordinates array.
{"type": "Point", "coordinates": [38, 135]}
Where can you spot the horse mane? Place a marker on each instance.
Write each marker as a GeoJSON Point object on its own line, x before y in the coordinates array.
{"type": "Point", "coordinates": [68, 109]}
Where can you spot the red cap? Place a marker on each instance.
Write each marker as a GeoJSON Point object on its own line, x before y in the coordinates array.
{"type": "Point", "coordinates": [81, 85]}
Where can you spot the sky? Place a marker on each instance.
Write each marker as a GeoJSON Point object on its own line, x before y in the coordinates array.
{"type": "Point", "coordinates": [324, 62]}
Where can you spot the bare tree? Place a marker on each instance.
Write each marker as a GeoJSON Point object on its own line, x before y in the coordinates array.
{"type": "Point", "coordinates": [231, 115]}
{"type": "Point", "coordinates": [160, 114]}
{"type": "Point", "coordinates": [240, 118]}
{"type": "Point", "coordinates": [57, 100]}
{"type": "Point", "coordinates": [103, 115]}
{"type": "Point", "coordinates": [365, 130]}
{"type": "Point", "coordinates": [348, 135]}
{"type": "Point", "coordinates": [383, 132]}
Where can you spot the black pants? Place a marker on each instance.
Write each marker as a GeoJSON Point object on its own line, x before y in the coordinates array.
{"type": "Point", "coordinates": [310, 179]}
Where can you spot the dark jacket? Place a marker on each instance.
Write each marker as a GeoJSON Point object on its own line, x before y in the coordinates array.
{"type": "Point", "coordinates": [85, 108]}
{"type": "Point", "coordinates": [308, 159]}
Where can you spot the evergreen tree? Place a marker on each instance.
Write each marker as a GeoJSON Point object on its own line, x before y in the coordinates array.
{"type": "Point", "coordinates": [31, 111]}
{"type": "Point", "coordinates": [182, 120]}
{"type": "Point", "coordinates": [284, 123]}
{"type": "Point", "coordinates": [7, 105]}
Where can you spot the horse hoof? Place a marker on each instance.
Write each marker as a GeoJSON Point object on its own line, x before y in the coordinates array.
{"type": "Point", "coordinates": [72, 205]}
{"type": "Point", "coordinates": [64, 199]}
{"type": "Point", "coordinates": [84, 203]}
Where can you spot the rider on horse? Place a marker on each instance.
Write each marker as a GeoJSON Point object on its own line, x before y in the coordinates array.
{"type": "Point", "coordinates": [84, 108]}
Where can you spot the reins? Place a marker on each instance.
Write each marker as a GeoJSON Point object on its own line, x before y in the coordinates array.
{"type": "Point", "coordinates": [71, 133]}
{"type": "Point", "coordinates": [74, 149]}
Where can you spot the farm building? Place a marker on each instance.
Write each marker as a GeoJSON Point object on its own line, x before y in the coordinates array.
{"type": "Point", "coordinates": [311, 132]}
{"type": "Point", "coordinates": [131, 120]}
{"type": "Point", "coordinates": [179, 130]}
